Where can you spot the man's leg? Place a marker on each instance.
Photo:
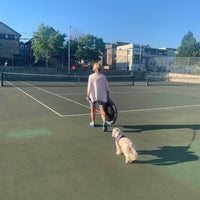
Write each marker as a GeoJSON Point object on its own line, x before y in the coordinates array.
{"type": "Point", "coordinates": [103, 116]}
{"type": "Point", "coordinates": [92, 115]}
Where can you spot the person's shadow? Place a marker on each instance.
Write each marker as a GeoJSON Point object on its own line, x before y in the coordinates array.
{"type": "Point", "coordinates": [149, 127]}
{"type": "Point", "coordinates": [166, 155]}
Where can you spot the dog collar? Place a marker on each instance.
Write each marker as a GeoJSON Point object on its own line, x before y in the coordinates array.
{"type": "Point", "coordinates": [118, 138]}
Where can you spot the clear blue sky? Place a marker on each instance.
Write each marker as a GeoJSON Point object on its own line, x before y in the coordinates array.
{"type": "Point", "coordinates": [154, 22]}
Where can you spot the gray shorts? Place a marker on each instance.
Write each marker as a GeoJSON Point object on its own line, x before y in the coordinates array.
{"type": "Point", "coordinates": [100, 103]}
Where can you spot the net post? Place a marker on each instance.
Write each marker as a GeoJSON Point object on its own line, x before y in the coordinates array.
{"type": "Point", "coordinates": [147, 82]}
{"type": "Point", "coordinates": [133, 80]}
{"type": "Point", "coordinates": [1, 78]}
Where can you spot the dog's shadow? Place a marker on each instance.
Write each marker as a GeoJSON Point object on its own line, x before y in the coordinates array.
{"type": "Point", "coordinates": [168, 155]}
{"type": "Point", "coordinates": [165, 155]}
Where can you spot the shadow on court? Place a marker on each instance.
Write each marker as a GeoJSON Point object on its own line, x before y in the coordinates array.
{"type": "Point", "coordinates": [140, 128]}
{"type": "Point", "coordinates": [168, 155]}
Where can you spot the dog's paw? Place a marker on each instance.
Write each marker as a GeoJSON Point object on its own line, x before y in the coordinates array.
{"type": "Point", "coordinates": [119, 153]}
{"type": "Point", "coordinates": [129, 161]}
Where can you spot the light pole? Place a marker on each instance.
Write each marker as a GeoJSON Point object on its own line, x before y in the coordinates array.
{"type": "Point", "coordinates": [141, 48]}
{"type": "Point", "coordinates": [69, 63]}
{"type": "Point", "coordinates": [129, 58]}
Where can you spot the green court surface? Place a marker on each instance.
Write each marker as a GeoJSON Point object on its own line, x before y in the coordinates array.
{"type": "Point", "coordinates": [49, 152]}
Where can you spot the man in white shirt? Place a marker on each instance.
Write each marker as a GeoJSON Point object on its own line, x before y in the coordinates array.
{"type": "Point", "coordinates": [97, 92]}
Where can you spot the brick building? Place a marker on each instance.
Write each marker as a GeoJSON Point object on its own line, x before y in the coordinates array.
{"type": "Point", "coordinates": [9, 44]}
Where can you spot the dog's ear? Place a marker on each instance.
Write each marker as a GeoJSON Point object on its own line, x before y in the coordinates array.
{"type": "Point", "coordinates": [115, 132]}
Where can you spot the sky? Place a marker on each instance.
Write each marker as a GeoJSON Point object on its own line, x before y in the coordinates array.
{"type": "Point", "coordinates": [154, 22]}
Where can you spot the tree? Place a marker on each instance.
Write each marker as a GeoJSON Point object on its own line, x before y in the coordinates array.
{"type": "Point", "coordinates": [73, 49]}
{"type": "Point", "coordinates": [187, 51]}
{"type": "Point", "coordinates": [46, 43]}
{"type": "Point", "coordinates": [89, 49]}
{"type": "Point", "coordinates": [188, 47]}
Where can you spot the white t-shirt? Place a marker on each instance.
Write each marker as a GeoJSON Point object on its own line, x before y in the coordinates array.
{"type": "Point", "coordinates": [97, 87]}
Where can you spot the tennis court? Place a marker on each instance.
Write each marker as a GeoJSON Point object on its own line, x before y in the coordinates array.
{"type": "Point", "coordinates": [48, 151]}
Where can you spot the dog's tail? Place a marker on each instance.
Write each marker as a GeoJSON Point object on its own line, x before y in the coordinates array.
{"type": "Point", "coordinates": [132, 148]}
{"type": "Point", "coordinates": [132, 145]}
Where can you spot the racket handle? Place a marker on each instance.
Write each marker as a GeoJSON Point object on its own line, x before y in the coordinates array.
{"type": "Point", "coordinates": [89, 99]}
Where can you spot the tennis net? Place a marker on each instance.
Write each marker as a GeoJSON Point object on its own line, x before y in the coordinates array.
{"type": "Point", "coordinates": [173, 80]}
{"type": "Point", "coordinates": [19, 79]}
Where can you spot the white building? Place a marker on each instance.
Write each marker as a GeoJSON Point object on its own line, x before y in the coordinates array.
{"type": "Point", "coordinates": [129, 57]}
{"type": "Point", "coordinates": [139, 57]}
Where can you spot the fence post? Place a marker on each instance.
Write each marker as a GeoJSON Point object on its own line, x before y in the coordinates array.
{"type": "Point", "coordinates": [133, 80]}
{"type": "Point", "coordinates": [1, 78]}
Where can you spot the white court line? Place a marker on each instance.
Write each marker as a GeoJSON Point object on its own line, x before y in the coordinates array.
{"type": "Point", "coordinates": [163, 108]}
{"type": "Point", "coordinates": [77, 115]}
{"type": "Point", "coordinates": [74, 115]}
{"type": "Point", "coordinates": [57, 95]}
{"type": "Point", "coordinates": [52, 110]}
{"type": "Point", "coordinates": [137, 92]}
{"type": "Point", "coordinates": [71, 115]}
{"type": "Point", "coordinates": [180, 93]}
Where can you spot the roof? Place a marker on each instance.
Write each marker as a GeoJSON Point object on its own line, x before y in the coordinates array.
{"type": "Point", "coordinates": [7, 30]}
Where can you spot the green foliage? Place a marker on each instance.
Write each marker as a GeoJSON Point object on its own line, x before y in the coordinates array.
{"type": "Point", "coordinates": [188, 51]}
{"type": "Point", "coordinates": [89, 49]}
{"type": "Point", "coordinates": [189, 46]}
{"type": "Point", "coordinates": [47, 42]}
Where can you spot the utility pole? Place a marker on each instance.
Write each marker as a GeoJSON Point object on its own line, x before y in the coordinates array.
{"type": "Point", "coordinates": [69, 63]}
